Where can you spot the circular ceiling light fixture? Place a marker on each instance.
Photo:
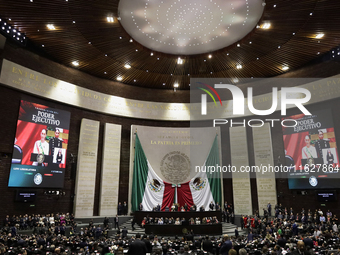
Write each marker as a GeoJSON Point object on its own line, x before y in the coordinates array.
{"type": "Point", "coordinates": [189, 27]}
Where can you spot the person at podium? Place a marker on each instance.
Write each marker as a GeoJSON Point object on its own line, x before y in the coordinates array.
{"type": "Point", "coordinates": [41, 148]}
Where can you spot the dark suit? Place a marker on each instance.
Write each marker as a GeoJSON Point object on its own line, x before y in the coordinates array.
{"type": "Point", "coordinates": [207, 246]}
{"type": "Point", "coordinates": [225, 247]}
{"type": "Point", "coordinates": [124, 232]}
{"type": "Point", "coordinates": [138, 247]}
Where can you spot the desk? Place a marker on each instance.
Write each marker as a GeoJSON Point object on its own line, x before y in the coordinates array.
{"type": "Point", "coordinates": [171, 230]}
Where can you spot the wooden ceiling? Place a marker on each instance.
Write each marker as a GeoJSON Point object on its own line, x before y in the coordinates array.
{"type": "Point", "coordinates": [82, 33]}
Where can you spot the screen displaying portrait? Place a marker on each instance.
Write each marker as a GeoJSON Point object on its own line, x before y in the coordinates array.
{"type": "Point", "coordinates": [311, 151]}
{"type": "Point", "coordinates": [40, 147]}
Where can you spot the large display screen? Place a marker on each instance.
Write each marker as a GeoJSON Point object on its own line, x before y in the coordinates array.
{"type": "Point", "coordinates": [311, 152]}
{"type": "Point", "coordinates": [40, 147]}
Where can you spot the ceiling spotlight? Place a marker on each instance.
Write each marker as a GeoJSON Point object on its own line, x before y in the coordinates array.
{"type": "Point", "coordinates": [238, 45]}
{"type": "Point", "coordinates": [176, 85]}
{"type": "Point", "coordinates": [110, 19]}
{"type": "Point", "coordinates": [265, 25]}
{"type": "Point", "coordinates": [151, 54]}
{"type": "Point", "coordinates": [285, 68]}
{"type": "Point", "coordinates": [239, 66]}
{"type": "Point", "coordinates": [179, 61]}
{"type": "Point", "coordinates": [75, 63]}
{"type": "Point", "coordinates": [319, 36]}
{"type": "Point", "coordinates": [50, 26]}
{"type": "Point", "coordinates": [131, 40]}
{"type": "Point", "coordinates": [119, 78]}
{"type": "Point", "coordinates": [163, 84]}
{"type": "Point", "coordinates": [210, 56]}
{"type": "Point", "coordinates": [127, 66]}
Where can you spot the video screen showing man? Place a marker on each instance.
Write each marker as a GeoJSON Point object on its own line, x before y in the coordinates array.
{"type": "Point", "coordinates": [40, 147]}
{"type": "Point", "coordinates": [321, 144]}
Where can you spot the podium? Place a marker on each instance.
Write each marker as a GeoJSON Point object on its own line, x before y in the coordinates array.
{"type": "Point", "coordinates": [41, 158]}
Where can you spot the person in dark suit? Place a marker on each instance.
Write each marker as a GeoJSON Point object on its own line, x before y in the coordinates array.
{"type": "Point", "coordinates": [138, 247]}
{"type": "Point", "coordinates": [124, 232]}
{"type": "Point", "coordinates": [116, 222]}
{"type": "Point", "coordinates": [308, 242]}
{"type": "Point", "coordinates": [207, 245]}
{"type": "Point", "coordinates": [125, 208]}
{"type": "Point", "coordinates": [120, 208]}
{"type": "Point", "coordinates": [140, 208]}
{"type": "Point", "coordinates": [301, 249]}
{"type": "Point", "coordinates": [269, 209]}
{"type": "Point", "coordinates": [236, 232]}
{"type": "Point", "coordinates": [226, 245]}
{"type": "Point", "coordinates": [211, 206]}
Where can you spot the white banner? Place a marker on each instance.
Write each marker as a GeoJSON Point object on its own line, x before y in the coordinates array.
{"type": "Point", "coordinates": [109, 186]}
{"type": "Point", "coordinates": [241, 181]}
{"type": "Point", "coordinates": [86, 168]}
{"type": "Point", "coordinates": [265, 180]}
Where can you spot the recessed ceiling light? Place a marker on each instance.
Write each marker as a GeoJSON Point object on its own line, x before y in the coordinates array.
{"type": "Point", "coordinates": [163, 84]}
{"type": "Point", "coordinates": [105, 72]}
{"type": "Point", "coordinates": [75, 63]}
{"type": "Point", "coordinates": [73, 22]}
{"type": "Point", "coordinates": [41, 45]}
{"type": "Point", "coordinates": [127, 66]}
{"type": "Point", "coordinates": [131, 40]}
{"type": "Point", "coordinates": [285, 68]}
{"type": "Point", "coordinates": [179, 61]}
{"type": "Point", "coordinates": [151, 54]}
{"type": "Point", "coordinates": [239, 66]}
{"type": "Point", "coordinates": [119, 78]}
{"type": "Point", "coordinates": [319, 36]}
{"type": "Point", "coordinates": [110, 19]}
{"type": "Point", "coordinates": [176, 85]}
{"type": "Point", "coordinates": [238, 45]}
{"type": "Point", "coordinates": [210, 56]}
{"type": "Point", "coordinates": [134, 80]}
{"type": "Point", "coordinates": [50, 26]}
{"type": "Point", "coordinates": [266, 25]}
{"type": "Point", "coordinates": [274, 5]}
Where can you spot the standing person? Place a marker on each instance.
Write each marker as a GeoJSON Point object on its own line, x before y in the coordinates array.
{"type": "Point", "coordinates": [309, 152]}
{"type": "Point", "coordinates": [226, 245]}
{"type": "Point", "coordinates": [55, 143]}
{"type": "Point", "coordinates": [321, 144]}
{"type": "Point", "coordinates": [41, 147]}
{"type": "Point", "coordinates": [116, 222]}
{"type": "Point", "coordinates": [133, 222]}
{"type": "Point", "coordinates": [269, 208]}
{"type": "Point", "coordinates": [125, 208]}
{"type": "Point", "coordinates": [120, 208]}
{"type": "Point", "coordinates": [137, 247]}
{"type": "Point", "coordinates": [106, 222]}
{"type": "Point", "coordinates": [330, 157]}
{"type": "Point", "coordinates": [236, 232]}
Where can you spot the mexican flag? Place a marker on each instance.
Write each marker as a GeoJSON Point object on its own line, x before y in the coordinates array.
{"type": "Point", "coordinates": [150, 190]}
{"type": "Point", "coordinates": [147, 187]}
{"type": "Point", "coordinates": [205, 186]}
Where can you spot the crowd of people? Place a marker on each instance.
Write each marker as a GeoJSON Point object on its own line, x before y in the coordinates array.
{"type": "Point", "coordinates": [265, 235]}
{"type": "Point", "coordinates": [178, 221]}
